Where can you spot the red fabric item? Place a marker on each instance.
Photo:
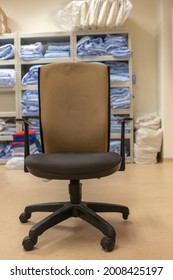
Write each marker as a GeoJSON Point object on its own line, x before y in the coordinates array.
{"type": "Point", "coordinates": [22, 133]}
{"type": "Point", "coordinates": [17, 143]}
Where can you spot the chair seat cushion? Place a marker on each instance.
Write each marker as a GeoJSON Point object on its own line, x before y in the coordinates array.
{"type": "Point", "coordinates": [73, 165]}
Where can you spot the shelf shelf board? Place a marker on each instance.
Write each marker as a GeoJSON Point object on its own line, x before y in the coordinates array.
{"type": "Point", "coordinates": [6, 138]}
{"type": "Point", "coordinates": [7, 114]}
{"type": "Point", "coordinates": [46, 60]}
{"type": "Point", "coordinates": [117, 136]}
{"type": "Point", "coordinates": [120, 111]}
{"type": "Point", "coordinates": [99, 58]}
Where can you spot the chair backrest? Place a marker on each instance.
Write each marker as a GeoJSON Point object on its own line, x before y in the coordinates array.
{"type": "Point", "coordinates": [74, 107]}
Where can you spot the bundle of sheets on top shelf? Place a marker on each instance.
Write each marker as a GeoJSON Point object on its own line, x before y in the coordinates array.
{"type": "Point", "coordinates": [90, 14]}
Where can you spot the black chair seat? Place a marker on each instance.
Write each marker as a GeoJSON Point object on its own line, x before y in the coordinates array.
{"type": "Point", "coordinates": [74, 165]}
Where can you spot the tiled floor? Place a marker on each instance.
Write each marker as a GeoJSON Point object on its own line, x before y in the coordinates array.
{"type": "Point", "coordinates": [148, 233]}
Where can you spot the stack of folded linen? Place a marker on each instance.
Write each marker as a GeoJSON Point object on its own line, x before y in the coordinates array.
{"type": "Point", "coordinates": [32, 51]}
{"type": "Point", "coordinates": [117, 45]}
{"type": "Point", "coordinates": [5, 150]}
{"type": "Point", "coordinates": [17, 144]}
{"type": "Point", "coordinates": [6, 51]}
{"type": "Point", "coordinates": [36, 126]}
{"type": "Point", "coordinates": [148, 139]}
{"type": "Point", "coordinates": [119, 71]}
{"type": "Point", "coordinates": [7, 77]}
{"type": "Point", "coordinates": [30, 107]}
{"type": "Point", "coordinates": [114, 45]}
{"type": "Point", "coordinates": [116, 124]}
{"type": "Point", "coordinates": [31, 77]}
{"type": "Point", "coordinates": [7, 126]}
{"type": "Point", "coordinates": [91, 46]}
{"type": "Point", "coordinates": [17, 149]}
{"type": "Point", "coordinates": [57, 50]}
{"type": "Point", "coordinates": [151, 121]}
{"type": "Point", "coordinates": [29, 103]}
{"type": "Point", "coordinates": [115, 146]}
{"type": "Point", "coordinates": [89, 14]}
{"type": "Point", "coordinates": [120, 98]}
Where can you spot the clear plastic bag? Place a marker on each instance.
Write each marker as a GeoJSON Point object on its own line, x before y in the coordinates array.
{"type": "Point", "coordinates": [15, 163]}
{"type": "Point", "coordinates": [146, 137]}
{"type": "Point", "coordinates": [89, 14]}
{"type": "Point", "coordinates": [68, 19]}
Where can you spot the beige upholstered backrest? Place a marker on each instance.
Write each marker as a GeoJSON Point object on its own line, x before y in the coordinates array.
{"type": "Point", "coordinates": [74, 107]}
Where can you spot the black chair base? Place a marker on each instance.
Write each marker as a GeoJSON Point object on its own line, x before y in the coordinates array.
{"type": "Point", "coordinates": [74, 208]}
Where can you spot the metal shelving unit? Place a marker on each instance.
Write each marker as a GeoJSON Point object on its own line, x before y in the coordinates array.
{"type": "Point", "coordinates": [10, 98]}
{"type": "Point", "coordinates": [8, 95]}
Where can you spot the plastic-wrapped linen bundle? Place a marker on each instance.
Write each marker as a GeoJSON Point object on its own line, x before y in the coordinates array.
{"type": "Point", "coordinates": [93, 14]}
{"type": "Point", "coordinates": [148, 139]}
{"type": "Point", "coordinates": [148, 121]}
{"type": "Point", "coordinates": [144, 155]}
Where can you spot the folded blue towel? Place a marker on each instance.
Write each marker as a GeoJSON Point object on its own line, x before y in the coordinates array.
{"type": "Point", "coordinates": [7, 77]}
{"type": "Point", "coordinates": [6, 51]}
{"type": "Point", "coordinates": [31, 77]}
{"type": "Point", "coordinates": [32, 51]}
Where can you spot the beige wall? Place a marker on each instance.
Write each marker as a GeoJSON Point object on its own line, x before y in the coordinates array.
{"type": "Point", "coordinates": [150, 27]}
{"type": "Point", "coordinates": [32, 15]}
{"type": "Point", "coordinates": [142, 23]}
{"type": "Point", "coordinates": [165, 74]}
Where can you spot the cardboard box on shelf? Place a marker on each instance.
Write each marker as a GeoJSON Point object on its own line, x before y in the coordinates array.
{"type": "Point", "coordinates": [4, 28]}
{"type": "Point", "coordinates": [3, 22]}
{"type": "Point", "coordinates": [3, 16]}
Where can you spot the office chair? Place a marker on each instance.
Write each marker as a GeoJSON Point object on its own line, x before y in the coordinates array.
{"type": "Point", "coordinates": [75, 131]}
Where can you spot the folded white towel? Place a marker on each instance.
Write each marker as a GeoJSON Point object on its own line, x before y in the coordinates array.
{"type": "Point", "coordinates": [104, 11]}
{"type": "Point", "coordinates": [112, 14]}
{"type": "Point", "coordinates": [94, 11]}
{"type": "Point", "coordinates": [84, 15]}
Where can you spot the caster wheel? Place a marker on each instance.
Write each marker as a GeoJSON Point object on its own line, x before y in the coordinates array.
{"type": "Point", "coordinates": [107, 244]}
{"type": "Point", "coordinates": [125, 216]}
{"type": "Point", "coordinates": [24, 217]}
{"type": "Point", "coordinates": [28, 243]}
